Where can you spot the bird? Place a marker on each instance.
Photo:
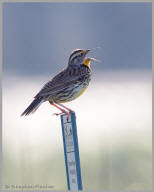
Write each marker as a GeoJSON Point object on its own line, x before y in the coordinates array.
{"type": "Point", "coordinates": [67, 85]}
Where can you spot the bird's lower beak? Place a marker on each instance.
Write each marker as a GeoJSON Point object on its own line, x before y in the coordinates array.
{"type": "Point", "coordinates": [94, 60]}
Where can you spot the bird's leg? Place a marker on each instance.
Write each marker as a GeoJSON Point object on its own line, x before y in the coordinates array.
{"type": "Point", "coordinates": [62, 110]}
{"type": "Point", "coordinates": [69, 110]}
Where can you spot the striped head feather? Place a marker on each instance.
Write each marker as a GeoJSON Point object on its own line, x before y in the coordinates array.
{"type": "Point", "coordinates": [77, 56]}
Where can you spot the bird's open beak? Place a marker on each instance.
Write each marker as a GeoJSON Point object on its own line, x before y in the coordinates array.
{"type": "Point", "coordinates": [90, 58]}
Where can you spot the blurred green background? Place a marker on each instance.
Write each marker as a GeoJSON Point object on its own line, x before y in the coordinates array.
{"type": "Point", "coordinates": [114, 115]}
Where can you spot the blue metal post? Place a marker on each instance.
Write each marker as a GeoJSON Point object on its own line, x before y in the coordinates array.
{"type": "Point", "coordinates": [71, 152]}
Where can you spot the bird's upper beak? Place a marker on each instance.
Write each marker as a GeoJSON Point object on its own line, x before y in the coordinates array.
{"type": "Point", "coordinates": [92, 49]}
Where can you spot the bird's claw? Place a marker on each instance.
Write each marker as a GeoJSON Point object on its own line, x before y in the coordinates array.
{"type": "Point", "coordinates": [56, 114]}
{"type": "Point", "coordinates": [59, 113]}
{"type": "Point", "coordinates": [64, 112]}
{"type": "Point", "coordinates": [68, 114]}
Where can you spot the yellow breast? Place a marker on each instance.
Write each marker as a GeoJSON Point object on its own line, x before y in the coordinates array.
{"type": "Point", "coordinates": [80, 93]}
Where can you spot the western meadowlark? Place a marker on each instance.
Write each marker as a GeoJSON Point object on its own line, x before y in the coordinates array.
{"type": "Point", "coordinates": [67, 85]}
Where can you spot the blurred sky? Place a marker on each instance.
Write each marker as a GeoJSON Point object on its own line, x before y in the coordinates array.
{"type": "Point", "coordinates": [38, 37]}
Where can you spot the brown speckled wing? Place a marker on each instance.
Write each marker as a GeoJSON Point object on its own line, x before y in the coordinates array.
{"type": "Point", "coordinates": [67, 77]}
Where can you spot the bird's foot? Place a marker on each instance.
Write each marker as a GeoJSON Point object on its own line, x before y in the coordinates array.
{"type": "Point", "coordinates": [63, 112]}
{"type": "Point", "coordinates": [57, 114]}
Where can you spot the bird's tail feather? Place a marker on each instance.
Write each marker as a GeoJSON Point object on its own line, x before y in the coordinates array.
{"type": "Point", "coordinates": [33, 106]}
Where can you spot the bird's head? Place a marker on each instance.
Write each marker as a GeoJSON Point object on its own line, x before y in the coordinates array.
{"type": "Point", "coordinates": [78, 56]}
